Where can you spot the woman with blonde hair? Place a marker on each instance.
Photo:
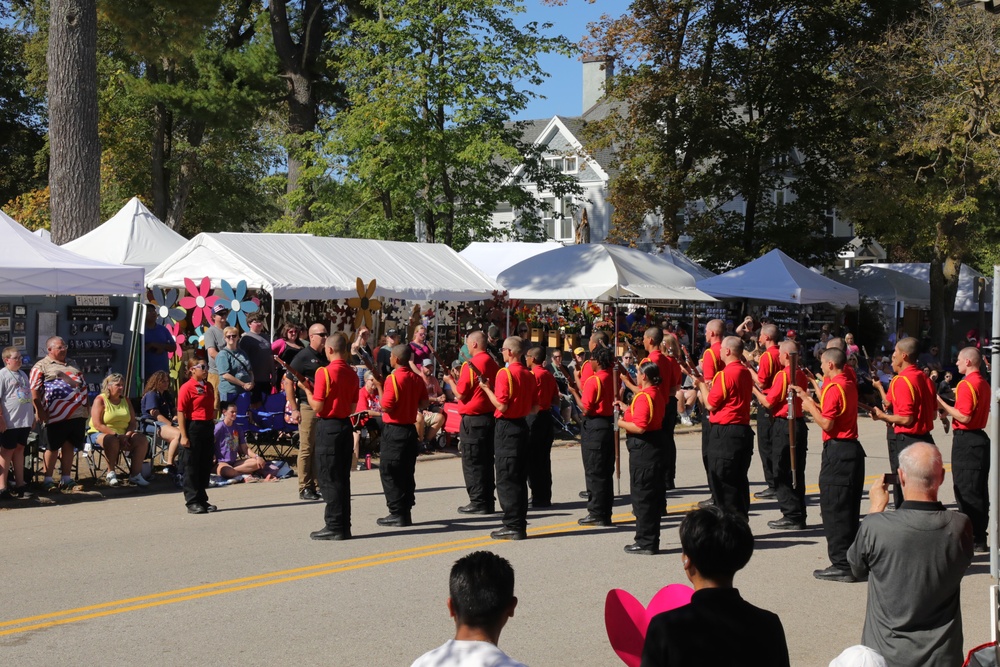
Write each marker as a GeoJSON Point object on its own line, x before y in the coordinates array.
{"type": "Point", "coordinates": [113, 428]}
{"type": "Point", "coordinates": [235, 371]}
{"type": "Point", "coordinates": [158, 407]}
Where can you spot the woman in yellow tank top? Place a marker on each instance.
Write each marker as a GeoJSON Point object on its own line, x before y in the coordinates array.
{"type": "Point", "coordinates": [113, 428]}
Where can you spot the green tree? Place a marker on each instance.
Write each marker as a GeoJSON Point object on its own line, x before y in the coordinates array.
{"type": "Point", "coordinates": [427, 133]}
{"type": "Point", "coordinates": [22, 126]}
{"type": "Point", "coordinates": [925, 166]}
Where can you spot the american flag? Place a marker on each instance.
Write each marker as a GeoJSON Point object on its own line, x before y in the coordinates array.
{"type": "Point", "coordinates": [61, 398]}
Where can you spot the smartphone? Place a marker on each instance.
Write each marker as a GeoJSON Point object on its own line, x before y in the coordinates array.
{"type": "Point", "coordinates": [890, 479]}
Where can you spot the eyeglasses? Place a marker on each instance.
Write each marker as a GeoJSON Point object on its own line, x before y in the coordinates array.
{"type": "Point", "coordinates": [232, 336]}
{"type": "Point", "coordinates": [199, 367]}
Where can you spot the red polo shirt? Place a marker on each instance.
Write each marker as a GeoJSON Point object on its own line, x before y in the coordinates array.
{"type": "Point", "coordinates": [547, 395]}
{"type": "Point", "coordinates": [911, 393]}
{"type": "Point", "coordinates": [336, 385]}
{"type": "Point", "coordinates": [730, 394]}
{"type": "Point", "coordinates": [367, 401]}
{"type": "Point", "coordinates": [646, 410]}
{"type": "Point", "coordinates": [587, 370]}
{"type": "Point", "coordinates": [402, 394]}
{"type": "Point", "coordinates": [670, 370]}
{"type": "Point", "coordinates": [472, 400]}
{"type": "Point", "coordinates": [768, 368]}
{"type": "Point", "coordinates": [598, 394]}
{"type": "Point", "coordinates": [711, 361]}
{"type": "Point", "coordinates": [777, 395]}
{"type": "Point", "coordinates": [197, 400]}
{"type": "Point", "coordinates": [972, 397]}
{"type": "Point", "coordinates": [516, 387]}
{"type": "Point", "coordinates": [839, 402]}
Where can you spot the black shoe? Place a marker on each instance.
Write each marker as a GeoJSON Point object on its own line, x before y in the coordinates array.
{"type": "Point", "coordinates": [209, 507]}
{"type": "Point", "coordinates": [509, 534]}
{"type": "Point", "coordinates": [327, 534]}
{"type": "Point", "coordinates": [710, 502]}
{"type": "Point", "coordinates": [592, 520]}
{"type": "Point", "coordinates": [835, 574]}
{"type": "Point", "coordinates": [197, 509]}
{"type": "Point", "coordinates": [473, 508]}
{"type": "Point", "coordinates": [22, 492]}
{"type": "Point", "coordinates": [585, 495]}
{"type": "Point", "coordinates": [784, 523]}
{"type": "Point", "coordinates": [642, 551]}
{"type": "Point", "coordinates": [766, 494]}
{"type": "Point", "coordinates": [980, 547]}
{"type": "Point", "coordinates": [7, 494]}
{"type": "Point", "coordinates": [398, 520]}
{"type": "Point", "coordinates": [309, 494]}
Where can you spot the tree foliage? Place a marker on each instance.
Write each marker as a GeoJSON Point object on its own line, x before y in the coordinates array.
{"type": "Point", "coordinates": [925, 166]}
{"type": "Point", "coordinates": [427, 132]}
{"type": "Point", "coordinates": [22, 128]}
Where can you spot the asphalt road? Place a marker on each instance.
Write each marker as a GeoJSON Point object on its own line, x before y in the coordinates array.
{"type": "Point", "coordinates": [126, 577]}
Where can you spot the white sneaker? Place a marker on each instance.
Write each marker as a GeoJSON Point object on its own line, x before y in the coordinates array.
{"type": "Point", "coordinates": [111, 479]}
{"type": "Point", "coordinates": [686, 421]}
{"type": "Point", "coordinates": [138, 480]}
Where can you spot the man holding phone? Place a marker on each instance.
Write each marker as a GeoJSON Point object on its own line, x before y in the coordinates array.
{"type": "Point", "coordinates": [842, 471]}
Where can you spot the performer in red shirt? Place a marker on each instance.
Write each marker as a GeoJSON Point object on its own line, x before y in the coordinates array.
{"type": "Point", "coordinates": [541, 430]}
{"type": "Point", "coordinates": [792, 502]}
{"type": "Point", "coordinates": [597, 437]}
{"type": "Point", "coordinates": [403, 393]}
{"type": "Point", "coordinates": [597, 340]}
{"type": "Point", "coordinates": [914, 406]}
{"type": "Point", "coordinates": [478, 424]}
{"type": "Point", "coordinates": [514, 400]}
{"type": "Point", "coordinates": [334, 397]}
{"type": "Point", "coordinates": [768, 367]}
{"type": "Point", "coordinates": [970, 449]}
{"type": "Point", "coordinates": [730, 442]}
{"type": "Point", "coordinates": [711, 363]}
{"type": "Point", "coordinates": [642, 421]}
{"type": "Point", "coordinates": [842, 471]}
{"type": "Point", "coordinates": [196, 422]}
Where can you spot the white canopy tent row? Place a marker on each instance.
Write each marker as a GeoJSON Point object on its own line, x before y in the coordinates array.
{"type": "Point", "coordinates": [893, 290]}
{"type": "Point", "coordinates": [777, 278]}
{"type": "Point", "coordinates": [132, 236]}
{"type": "Point", "coordinates": [33, 266]}
{"type": "Point", "coordinates": [305, 267]}
{"type": "Point", "coordinates": [967, 299]}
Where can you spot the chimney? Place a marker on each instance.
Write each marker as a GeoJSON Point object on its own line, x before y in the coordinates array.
{"type": "Point", "coordinates": [597, 70]}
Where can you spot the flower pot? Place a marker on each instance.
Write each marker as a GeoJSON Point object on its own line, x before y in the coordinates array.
{"type": "Point", "coordinates": [571, 342]}
{"type": "Point", "coordinates": [536, 334]}
{"type": "Point", "coordinates": [554, 339]}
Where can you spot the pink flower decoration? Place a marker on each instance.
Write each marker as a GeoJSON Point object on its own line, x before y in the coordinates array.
{"type": "Point", "coordinates": [179, 338]}
{"type": "Point", "coordinates": [199, 301]}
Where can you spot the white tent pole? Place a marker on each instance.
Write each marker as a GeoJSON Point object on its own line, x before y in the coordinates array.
{"type": "Point", "coordinates": [995, 434]}
{"type": "Point", "coordinates": [508, 322]}
{"type": "Point", "coordinates": [436, 346]}
{"type": "Point", "coordinates": [274, 306]}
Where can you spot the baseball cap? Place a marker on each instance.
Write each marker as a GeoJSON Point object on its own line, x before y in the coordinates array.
{"type": "Point", "coordinates": [457, 363]}
{"type": "Point", "coordinates": [790, 333]}
{"type": "Point", "coordinates": [579, 350]}
{"type": "Point", "coordinates": [494, 331]}
{"type": "Point", "coordinates": [428, 362]}
{"type": "Point", "coordinates": [219, 307]}
{"type": "Point", "coordinates": [393, 333]}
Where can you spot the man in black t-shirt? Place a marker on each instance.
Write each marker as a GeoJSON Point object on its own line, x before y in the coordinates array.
{"type": "Point", "coordinates": [306, 363]}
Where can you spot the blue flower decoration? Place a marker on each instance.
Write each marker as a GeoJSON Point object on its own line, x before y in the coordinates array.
{"type": "Point", "coordinates": [167, 310]}
{"type": "Point", "coordinates": [199, 337]}
{"type": "Point", "coordinates": [238, 308]}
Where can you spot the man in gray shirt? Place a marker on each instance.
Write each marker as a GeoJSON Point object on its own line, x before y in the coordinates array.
{"type": "Point", "coordinates": [914, 559]}
{"type": "Point", "coordinates": [258, 351]}
{"type": "Point", "coordinates": [215, 341]}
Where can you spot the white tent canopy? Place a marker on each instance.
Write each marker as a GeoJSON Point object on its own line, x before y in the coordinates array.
{"type": "Point", "coordinates": [132, 236]}
{"type": "Point", "coordinates": [685, 263]}
{"type": "Point", "coordinates": [34, 266]}
{"type": "Point", "coordinates": [966, 301]}
{"type": "Point", "coordinates": [43, 234]}
{"type": "Point", "coordinates": [300, 266]}
{"type": "Point", "coordinates": [885, 285]}
{"type": "Point", "coordinates": [777, 278]}
{"type": "Point", "coordinates": [597, 271]}
{"type": "Point", "coordinates": [494, 258]}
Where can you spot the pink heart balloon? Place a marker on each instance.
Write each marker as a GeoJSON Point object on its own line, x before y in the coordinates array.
{"type": "Point", "coordinates": [627, 620]}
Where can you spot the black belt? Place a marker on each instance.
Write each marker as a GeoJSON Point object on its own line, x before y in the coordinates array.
{"type": "Point", "coordinates": [335, 419]}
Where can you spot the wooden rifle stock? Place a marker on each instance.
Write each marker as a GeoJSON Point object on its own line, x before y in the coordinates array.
{"type": "Point", "coordinates": [793, 367]}
{"type": "Point", "coordinates": [299, 377]}
{"type": "Point", "coordinates": [369, 363]}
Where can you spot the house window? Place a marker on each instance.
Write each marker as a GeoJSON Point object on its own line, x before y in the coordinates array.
{"type": "Point", "coordinates": [779, 197]}
{"type": "Point", "coordinates": [504, 207]}
{"type": "Point", "coordinates": [565, 165]}
{"type": "Point", "coordinates": [830, 215]}
{"type": "Point", "coordinates": [569, 165]}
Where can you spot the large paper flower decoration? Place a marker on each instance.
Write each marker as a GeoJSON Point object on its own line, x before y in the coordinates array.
{"type": "Point", "coordinates": [199, 337]}
{"type": "Point", "coordinates": [199, 300]}
{"type": "Point", "coordinates": [175, 330]}
{"type": "Point", "coordinates": [167, 311]}
{"type": "Point", "coordinates": [238, 307]}
{"type": "Point", "coordinates": [364, 305]}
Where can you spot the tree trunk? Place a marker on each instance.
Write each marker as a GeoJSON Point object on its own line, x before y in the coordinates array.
{"type": "Point", "coordinates": [163, 128]}
{"type": "Point", "coordinates": [302, 118]}
{"type": "Point", "coordinates": [75, 151]}
{"type": "Point", "coordinates": [944, 272]}
{"type": "Point", "coordinates": [186, 176]}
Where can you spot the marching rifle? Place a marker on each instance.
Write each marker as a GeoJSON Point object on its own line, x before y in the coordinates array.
{"type": "Point", "coordinates": [370, 364]}
{"type": "Point", "coordinates": [793, 366]}
{"type": "Point", "coordinates": [299, 377]}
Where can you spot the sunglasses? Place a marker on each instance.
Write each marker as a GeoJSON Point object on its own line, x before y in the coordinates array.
{"type": "Point", "coordinates": [322, 334]}
{"type": "Point", "coordinates": [231, 336]}
{"type": "Point", "coordinates": [199, 367]}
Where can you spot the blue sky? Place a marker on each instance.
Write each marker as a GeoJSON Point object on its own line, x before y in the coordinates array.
{"type": "Point", "coordinates": [564, 89]}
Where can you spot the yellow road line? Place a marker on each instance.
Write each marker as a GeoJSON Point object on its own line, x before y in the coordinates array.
{"type": "Point", "coordinates": [103, 609]}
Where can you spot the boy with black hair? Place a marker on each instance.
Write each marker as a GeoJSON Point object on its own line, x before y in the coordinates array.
{"type": "Point", "coordinates": [718, 627]}
{"type": "Point", "coordinates": [480, 599]}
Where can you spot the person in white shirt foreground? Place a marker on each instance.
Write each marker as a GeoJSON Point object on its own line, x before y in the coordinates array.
{"type": "Point", "coordinates": [481, 599]}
